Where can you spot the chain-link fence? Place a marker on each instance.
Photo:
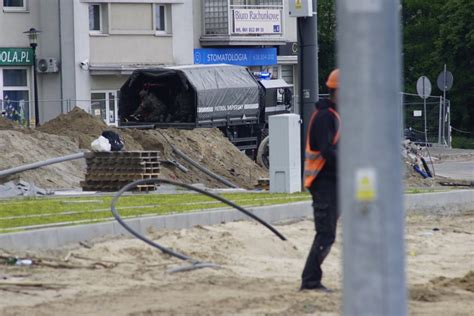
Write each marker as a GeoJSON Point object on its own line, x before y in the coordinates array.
{"type": "Point", "coordinates": [426, 120]}
{"type": "Point", "coordinates": [22, 111]}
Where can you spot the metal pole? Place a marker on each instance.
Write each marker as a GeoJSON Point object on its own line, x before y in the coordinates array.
{"type": "Point", "coordinates": [35, 84]}
{"type": "Point", "coordinates": [425, 119]}
{"type": "Point", "coordinates": [370, 186]}
{"type": "Point", "coordinates": [308, 58]}
{"type": "Point", "coordinates": [440, 120]}
{"type": "Point", "coordinates": [444, 105]}
{"type": "Point", "coordinates": [449, 125]}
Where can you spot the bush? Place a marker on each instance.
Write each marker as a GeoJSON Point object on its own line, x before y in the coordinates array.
{"type": "Point", "coordinates": [463, 142]}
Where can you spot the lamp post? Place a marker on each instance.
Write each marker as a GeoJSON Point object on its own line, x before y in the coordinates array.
{"type": "Point", "coordinates": [32, 34]}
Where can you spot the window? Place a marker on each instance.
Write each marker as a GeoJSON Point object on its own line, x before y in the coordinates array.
{"type": "Point", "coordinates": [287, 73]}
{"type": "Point", "coordinates": [104, 106]}
{"type": "Point", "coordinates": [14, 5]}
{"type": "Point", "coordinates": [95, 23]}
{"type": "Point", "coordinates": [160, 24]}
{"type": "Point", "coordinates": [161, 19]}
{"type": "Point", "coordinates": [14, 91]}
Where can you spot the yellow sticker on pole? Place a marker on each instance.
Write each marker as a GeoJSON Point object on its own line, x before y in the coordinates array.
{"type": "Point", "coordinates": [365, 186]}
{"type": "Point", "coordinates": [298, 4]}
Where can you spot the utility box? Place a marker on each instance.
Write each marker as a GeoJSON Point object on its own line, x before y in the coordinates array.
{"type": "Point", "coordinates": [301, 8]}
{"type": "Point", "coordinates": [285, 153]}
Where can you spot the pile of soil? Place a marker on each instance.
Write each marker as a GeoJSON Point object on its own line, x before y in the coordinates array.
{"type": "Point", "coordinates": [83, 128]}
{"type": "Point", "coordinates": [77, 129]}
{"type": "Point", "coordinates": [20, 148]}
{"type": "Point", "coordinates": [434, 290]}
{"type": "Point", "coordinates": [7, 124]}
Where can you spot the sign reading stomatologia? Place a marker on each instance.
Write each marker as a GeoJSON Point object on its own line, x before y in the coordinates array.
{"type": "Point", "coordinates": [236, 56]}
{"type": "Point", "coordinates": [257, 21]}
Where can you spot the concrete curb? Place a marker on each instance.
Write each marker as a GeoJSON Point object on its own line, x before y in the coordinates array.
{"type": "Point", "coordinates": [426, 203]}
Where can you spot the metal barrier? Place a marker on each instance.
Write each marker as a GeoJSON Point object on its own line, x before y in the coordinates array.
{"type": "Point", "coordinates": [437, 130]}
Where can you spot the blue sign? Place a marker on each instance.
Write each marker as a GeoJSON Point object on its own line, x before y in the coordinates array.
{"type": "Point", "coordinates": [236, 56]}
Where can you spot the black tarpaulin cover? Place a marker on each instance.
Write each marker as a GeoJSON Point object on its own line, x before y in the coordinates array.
{"type": "Point", "coordinates": [220, 90]}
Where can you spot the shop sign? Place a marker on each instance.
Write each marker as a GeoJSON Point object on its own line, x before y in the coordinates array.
{"type": "Point", "coordinates": [257, 21]}
{"type": "Point", "coordinates": [16, 56]}
{"type": "Point", "coordinates": [236, 56]}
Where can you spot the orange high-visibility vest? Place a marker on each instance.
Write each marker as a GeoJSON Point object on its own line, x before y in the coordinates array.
{"type": "Point", "coordinates": [314, 161]}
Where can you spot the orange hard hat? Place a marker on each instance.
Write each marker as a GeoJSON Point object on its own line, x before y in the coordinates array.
{"type": "Point", "coordinates": [333, 79]}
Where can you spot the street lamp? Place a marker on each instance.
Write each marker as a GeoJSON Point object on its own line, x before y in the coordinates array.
{"type": "Point", "coordinates": [32, 34]}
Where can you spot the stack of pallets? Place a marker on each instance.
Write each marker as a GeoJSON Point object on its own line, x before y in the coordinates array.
{"type": "Point", "coordinates": [111, 171]}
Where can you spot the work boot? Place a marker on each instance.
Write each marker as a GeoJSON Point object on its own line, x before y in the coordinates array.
{"type": "Point", "coordinates": [319, 288]}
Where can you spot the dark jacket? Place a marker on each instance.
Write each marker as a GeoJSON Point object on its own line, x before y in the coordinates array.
{"type": "Point", "coordinates": [321, 136]}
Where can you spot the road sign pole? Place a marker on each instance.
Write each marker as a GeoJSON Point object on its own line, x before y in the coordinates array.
{"type": "Point", "coordinates": [370, 186]}
{"type": "Point", "coordinates": [440, 124]}
{"type": "Point", "coordinates": [423, 87]}
{"type": "Point", "coordinates": [425, 114]}
{"type": "Point", "coordinates": [445, 82]}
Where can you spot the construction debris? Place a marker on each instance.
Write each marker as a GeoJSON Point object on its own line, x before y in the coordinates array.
{"type": "Point", "coordinates": [21, 188]}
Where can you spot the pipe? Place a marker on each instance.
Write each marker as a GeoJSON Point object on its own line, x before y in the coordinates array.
{"type": "Point", "coordinates": [183, 185]}
{"type": "Point", "coordinates": [35, 165]}
{"type": "Point", "coordinates": [195, 164]}
{"type": "Point", "coordinates": [201, 168]}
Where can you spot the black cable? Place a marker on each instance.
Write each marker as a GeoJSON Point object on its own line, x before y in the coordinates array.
{"type": "Point", "coordinates": [460, 131]}
{"type": "Point", "coordinates": [187, 186]}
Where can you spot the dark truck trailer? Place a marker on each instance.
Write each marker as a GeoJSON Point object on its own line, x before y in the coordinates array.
{"type": "Point", "coordinates": [224, 96]}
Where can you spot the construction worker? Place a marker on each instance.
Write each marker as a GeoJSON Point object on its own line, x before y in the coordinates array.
{"type": "Point", "coordinates": [151, 108]}
{"type": "Point", "coordinates": [320, 178]}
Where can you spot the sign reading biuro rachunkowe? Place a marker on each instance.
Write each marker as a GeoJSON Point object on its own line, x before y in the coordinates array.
{"type": "Point", "coordinates": [236, 56]}
{"type": "Point", "coordinates": [16, 56]}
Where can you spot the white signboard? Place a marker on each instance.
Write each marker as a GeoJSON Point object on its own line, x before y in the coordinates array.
{"type": "Point", "coordinates": [417, 113]}
{"type": "Point", "coordinates": [257, 21]}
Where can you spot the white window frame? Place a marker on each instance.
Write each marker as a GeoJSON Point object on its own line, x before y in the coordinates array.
{"type": "Point", "coordinates": [24, 8]}
{"type": "Point", "coordinates": [167, 13]}
{"type": "Point", "coordinates": [101, 17]}
{"type": "Point", "coordinates": [107, 105]}
{"type": "Point", "coordinates": [17, 88]}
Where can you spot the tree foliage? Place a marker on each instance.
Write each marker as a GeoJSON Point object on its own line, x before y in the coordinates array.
{"type": "Point", "coordinates": [326, 40]}
{"type": "Point", "coordinates": [435, 33]}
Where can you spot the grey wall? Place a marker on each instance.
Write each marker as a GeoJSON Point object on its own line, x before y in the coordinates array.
{"type": "Point", "coordinates": [49, 83]}
{"type": "Point", "coordinates": [182, 19]}
{"type": "Point", "coordinates": [68, 87]}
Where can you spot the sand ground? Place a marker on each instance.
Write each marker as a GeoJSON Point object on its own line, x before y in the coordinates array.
{"type": "Point", "coordinates": [259, 273]}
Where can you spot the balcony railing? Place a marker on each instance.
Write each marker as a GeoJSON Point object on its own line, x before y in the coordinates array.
{"type": "Point", "coordinates": [243, 22]}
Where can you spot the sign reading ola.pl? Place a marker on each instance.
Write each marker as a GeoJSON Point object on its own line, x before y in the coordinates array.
{"type": "Point", "coordinates": [16, 56]}
{"type": "Point", "coordinates": [257, 21]}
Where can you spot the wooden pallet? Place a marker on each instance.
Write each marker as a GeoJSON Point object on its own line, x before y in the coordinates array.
{"type": "Point", "coordinates": [118, 176]}
{"type": "Point", "coordinates": [111, 171]}
{"type": "Point", "coordinates": [114, 188]}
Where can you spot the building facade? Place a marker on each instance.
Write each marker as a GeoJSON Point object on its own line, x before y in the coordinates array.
{"type": "Point", "coordinates": [88, 48]}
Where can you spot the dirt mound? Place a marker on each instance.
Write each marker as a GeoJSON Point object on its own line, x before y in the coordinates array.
{"type": "Point", "coordinates": [8, 124]}
{"type": "Point", "coordinates": [439, 287]}
{"type": "Point", "coordinates": [208, 147]}
{"type": "Point", "coordinates": [20, 148]}
{"type": "Point", "coordinates": [78, 125]}
{"type": "Point", "coordinates": [83, 128]}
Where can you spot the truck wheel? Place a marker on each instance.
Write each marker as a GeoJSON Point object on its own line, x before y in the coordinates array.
{"type": "Point", "coordinates": [263, 153]}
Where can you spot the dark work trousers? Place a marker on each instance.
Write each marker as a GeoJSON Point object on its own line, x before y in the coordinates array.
{"type": "Point", "coordinates": [326, 214]}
